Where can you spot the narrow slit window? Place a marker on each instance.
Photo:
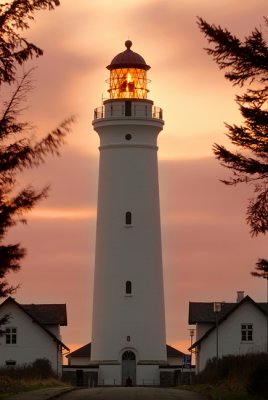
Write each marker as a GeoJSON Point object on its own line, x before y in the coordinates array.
{"type": "Point", "coordinates": [128, 106]}
{"type": "Point", "coordinates": [128, 287]}
{"type": "Point", "coordinates": [128, 218]}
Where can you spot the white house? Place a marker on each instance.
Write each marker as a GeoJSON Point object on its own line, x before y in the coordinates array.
{"type": "Point", "coordinates": [228, 328]}
{"type": "Point", "coordinates": [32, 332]}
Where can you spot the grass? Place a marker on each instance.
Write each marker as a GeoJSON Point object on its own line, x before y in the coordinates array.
{"type": "Point", "coordinates": [10, 386]}
{"type": "Point", "coordinates": [218, 392]}
{"type": "Point", "coordinates": [36, 375]}
{"type": "Point", "coordinates": [234, 378]}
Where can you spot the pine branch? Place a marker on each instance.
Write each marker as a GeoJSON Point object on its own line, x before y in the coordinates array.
{"type": "Point", "coordinates": [244, 61]}
{"type": "Point", "coordinates": [11, 208]}
{"type": "Point", "coordinates": [15, 49]}
{"type": "Point", "coordinates": [257, 213]}
{"type": "Point", "coordinates": [261, 269]}
{"type": "Point", "coordinates": [13, 108]}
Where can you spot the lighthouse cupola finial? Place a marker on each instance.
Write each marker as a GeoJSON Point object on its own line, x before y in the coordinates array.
{"type": "Point", "coordinates": [128, 77]}
{"type": "Point", "coordinates": [128, 44]}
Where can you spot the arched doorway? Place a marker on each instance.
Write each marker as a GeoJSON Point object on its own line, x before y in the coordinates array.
{"type": "Point", "coordinates": [128, 368]}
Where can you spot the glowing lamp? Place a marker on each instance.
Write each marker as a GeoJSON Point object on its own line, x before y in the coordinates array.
{"type": "Point", "coordinates": [128, 75]}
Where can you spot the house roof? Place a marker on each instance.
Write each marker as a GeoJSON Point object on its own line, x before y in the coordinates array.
{"type": "Point", "coordinates": [203, 312]}
{"type": "Point", "coordinates": [85, 351]}
{"type": "Point", "coordinates": [34, 317]}
{"type": "Point", "coordinates": [128, 59]}
{"type": "Point", "coordinates": [48, 314]}
{"type": "Point", "coordinates": [172, 352]}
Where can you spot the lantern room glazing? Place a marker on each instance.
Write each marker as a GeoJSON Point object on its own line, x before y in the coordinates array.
{"type": "Point", "coordinates": [128, 75]}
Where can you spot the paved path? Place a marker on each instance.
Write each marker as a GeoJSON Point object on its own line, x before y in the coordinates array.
{"type": "Point", "coordinates": [134, 393]}
{"type": "Point", "coordinates": [118, 393]}
{"type": "Point", "coordinates": [40, 394]}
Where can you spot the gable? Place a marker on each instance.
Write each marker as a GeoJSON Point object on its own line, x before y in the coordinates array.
{"type": "Point", "coordinates": [243, 311]}
{"type": "Point", "coordinates": [21, 316]}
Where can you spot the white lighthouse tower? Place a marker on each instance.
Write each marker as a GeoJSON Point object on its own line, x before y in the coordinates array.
{"type": "Point", "coordinates": [128, 334]}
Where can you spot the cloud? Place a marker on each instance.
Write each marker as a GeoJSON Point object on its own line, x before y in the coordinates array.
{"type": "Point", "coordinates": [207, 250]}
{"type": "Point", "coordinates": [59, 213]}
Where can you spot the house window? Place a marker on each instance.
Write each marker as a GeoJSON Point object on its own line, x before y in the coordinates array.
{"type": "Point", "coordinates": [128, 287]}
{"type": "Point", "coordinates": [128, 218]}
{"type": "Point", "coordinates": [11, 335]}
{"type": "Point", "coordinates": [11, 363]}
{"type": "Point", "coordinates": [247, 332]}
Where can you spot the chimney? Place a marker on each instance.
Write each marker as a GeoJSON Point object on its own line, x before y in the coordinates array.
{"type": "Point", "coordinates": [240, 296]}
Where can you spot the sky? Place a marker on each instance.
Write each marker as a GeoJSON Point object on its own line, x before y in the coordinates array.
{"type": "Point", "coordinates": [208, 252]}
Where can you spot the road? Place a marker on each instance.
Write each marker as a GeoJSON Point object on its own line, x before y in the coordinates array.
{"type": "Point", "coordinates": [132, 393]}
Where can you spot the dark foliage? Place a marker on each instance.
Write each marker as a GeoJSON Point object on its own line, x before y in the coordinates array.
{"type": "Point", "coordinates": [245, 63]}
{"type": "Point", "coordinates": [15, 49]}
{"type": "Point", "coordinates": [247, 372]}
{"type": "Point", "coordinates": [261, 269]}
{"type": "Point", "coordinates": [19, 149]}
{"type": "Point", "coordinates": [39, 369]}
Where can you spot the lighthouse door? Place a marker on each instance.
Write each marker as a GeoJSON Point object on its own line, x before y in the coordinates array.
{"type": "Point", "coordinates": [128, 368]}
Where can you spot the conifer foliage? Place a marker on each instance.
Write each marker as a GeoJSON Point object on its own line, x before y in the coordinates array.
{"type": "Point", "coordinates": [18, 148]}
{"type": "Point", "coordinates": [246, 65]}
{"type": "Point", "coordinates": [261, 269]}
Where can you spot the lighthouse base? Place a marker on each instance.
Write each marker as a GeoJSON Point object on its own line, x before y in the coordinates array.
{"type": "Point", "coordinates": [129, 374]}
{"type": "Point", "coordinates": [127, 370]}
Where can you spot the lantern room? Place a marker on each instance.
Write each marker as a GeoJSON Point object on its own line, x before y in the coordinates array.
{"type": "Point", "coordinates": [128, 75]}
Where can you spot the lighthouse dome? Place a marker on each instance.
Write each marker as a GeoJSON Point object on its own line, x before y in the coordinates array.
{"type": "Point", "coordinates": [128, 59]}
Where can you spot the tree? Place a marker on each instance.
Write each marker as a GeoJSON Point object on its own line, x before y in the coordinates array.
{"type": "Point", "coordinates": [246, 63]}
{"type": "Point", "coordinates": [261, 269]}
{"type": "Point", "coordinates": [18, 148]}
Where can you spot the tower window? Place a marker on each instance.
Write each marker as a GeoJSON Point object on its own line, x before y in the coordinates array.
{"type": "Point", "coordinates": [128, 136]}
{"type": "Point", "coordinates": [128, 218]}
{"type": "Point", "coordinates": [128, 338]}
{"type": "Point", "coordinates": [128, 287]}
{"type": "Point", "coordinates": [128, 104]}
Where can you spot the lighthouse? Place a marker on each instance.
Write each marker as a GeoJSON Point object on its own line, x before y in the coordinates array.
{"type": "Point", "coordinates": [128, 327]}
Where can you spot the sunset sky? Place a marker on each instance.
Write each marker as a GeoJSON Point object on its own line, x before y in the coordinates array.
{"type": "Point", "coordinates": [208, 252]}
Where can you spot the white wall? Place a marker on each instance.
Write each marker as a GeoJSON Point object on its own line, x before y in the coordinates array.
{"type": "Point", "coordinates": [32, 341]}
{"type": "Point", "coordinates": [148, 375]}
{"type": "Point", "coordinates": [109, 375]}
{"type": "Point", "coordinates": [229, 338]}
{"type": "Point", "coordinates": [202, 328]}
{"type": "Point", "coordinates": [128, 181]}
{"type": "Point", "coordinates": [175, 360]}
{"type": "Point", "coordinates": [78, 360]}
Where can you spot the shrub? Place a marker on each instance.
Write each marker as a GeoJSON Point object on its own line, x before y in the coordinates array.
{"type": "Point", "coordinates": [39, 369]}
{"type": "Point", "coordinates": [247, 372]}
{"type": "Point", "coordinates": [258, 382]}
